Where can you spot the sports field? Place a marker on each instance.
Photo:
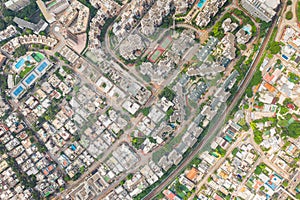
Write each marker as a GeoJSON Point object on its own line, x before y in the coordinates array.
{"type": "Point", "coordinates": [155, 55]}
{"type": "Point", "coordinates": [166, 42]}
{"type": "Point", "coordinates": [38, 57]}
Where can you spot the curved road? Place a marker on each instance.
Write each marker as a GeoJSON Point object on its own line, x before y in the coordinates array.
{"type": "Point", "coordinates": [219, 124]}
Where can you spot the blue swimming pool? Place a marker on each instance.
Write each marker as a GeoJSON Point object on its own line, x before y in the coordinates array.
{"type": "Point", "coordinates": [18, 90]}
{"type": "Point", "coordinates": [42, 66]}
{"type": "Point", "coordinates": [30, 78]}
{"type": "Point", "coordinates": [285, 57]}
{"type": "Point", "coordinates": [247, 29]}
{"type": "Point", "coordinates": [19, 64]}
{"type": "Point", "coordinates": [201, 3]}
{"type": "Point", "coordinates": [73, 147]}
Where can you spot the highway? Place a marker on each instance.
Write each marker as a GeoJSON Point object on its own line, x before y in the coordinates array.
{"type": "Point", "coordinates": [219, 124]}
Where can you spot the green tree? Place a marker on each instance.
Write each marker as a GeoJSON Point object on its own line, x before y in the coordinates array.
{"type": "Point", "coordinates": [129, 176]}
{"type": "Point", "coordinates": [258, 170]}
{"type": "Point", "coordinates": [285, 183]}
{"type": "Point", "coordinates": [235, 151]}
{"type": "Point", "coordinates": [243, 47]}
{"type": "Point", "coordinates": [145, 111]}
{"type": "Point", "coordinates": [168, 93]}
{"type": "Point", "coordinates": [274, 47]}
{"type": "Point", "coordinates": [2, 24]}
{"type": "Point", "coordinates": [289, 15]}
{"type": "Point", "coordinates": [294, 130]}
{"type": "Point", "coordinates": [20, 51]}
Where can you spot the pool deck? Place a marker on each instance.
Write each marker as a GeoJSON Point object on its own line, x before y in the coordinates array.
{"type": "Point", "coordinates": [30, 79]}
{"type": "Point", "coordinates": [42, 67]}
{"type": "Point", "coordinates": [39, 70]}
{"type": "Point", "coordinates": [18, 91]}
{"type": "Point", "coordinates": [20, 64]}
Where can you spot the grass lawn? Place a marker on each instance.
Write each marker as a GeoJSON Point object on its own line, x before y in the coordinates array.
{"type": "Point", "coordinates": [26, 71]}
{"type": "Point", "coordinates": [298, 11]}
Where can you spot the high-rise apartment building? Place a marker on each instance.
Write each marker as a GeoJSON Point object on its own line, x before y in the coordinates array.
{"type": "Point", "coordinates": [262, 9]}
{"type": "Point", "coordinates": [16, 5]}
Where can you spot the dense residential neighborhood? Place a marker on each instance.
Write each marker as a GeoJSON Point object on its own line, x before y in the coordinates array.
{"type": "Point", "coordinates": [149, 99]}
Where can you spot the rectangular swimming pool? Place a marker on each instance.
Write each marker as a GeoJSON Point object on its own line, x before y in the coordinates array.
{"type": "Point", "coordinates": [42, 66]}
{"type": "Point", "coordinates": [30, 78]}
{"type": "Point", "coordinates": [18, 90]}
{"type": "Point", "coordinates": [19, 64]}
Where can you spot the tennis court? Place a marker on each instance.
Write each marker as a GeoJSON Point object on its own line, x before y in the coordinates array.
{"type": "Point", "coordinates": [38, 57]}
{"type": "Point", "coordinates": [165, 44]}
{"type": "Point", "coordinates": [155, 55]}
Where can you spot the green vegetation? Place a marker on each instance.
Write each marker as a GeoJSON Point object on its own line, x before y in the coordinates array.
{"type": "Point", "coordinates": [221, 151]}
{"type": "Point", "coordinates": [167, 21]}
{"type": "Point", "coordinates": [264, 26]}
{"type": "Point", "coordinates": [217, 30]}
{"type": "Point", "coordinates": [209, 179]}
{"type": "Point", "coordinates": [289, 15]}
{"type": "Point", "coordinates": [41, 147]}
{"type": "Point", "coordinates": [119, 2]}
{"type": "Point", "coordinates": [235, 151]}
{"type": "Point", "coordinates": [283, 123]}
{"type": "Point", "coordinates": [108, 22]}
{"type": "Point", "coordinates": [8, 15]}
{"type": "Point", "coordinates": [258, 170]}
{"type": "Point", "coordinates": [273, 46]}
{"type": "Point", "coordinates": [151, 187]}
{"type": "Point", "coordinates": [62, 58]}
{"type": "Point", "coordinates": [293, 78]}
{"type": "Point", "coordinates": [257, 134]}
{"type": "Point", "coordinates": [298, 11]}
{"type": "Point", "coordinates": [51, 112]}
{"type": "Point", "coordinates": [122, 182]}
{"type": "Point", "coordinates": [195, 162]}
{"type": "Point", "coordinates": [246, 20]}
{"type": "Point", "coordinates": [59, 76]}
{"type": "Point", "coordinates": [257, 78]}
{"type": "Point", "coordinates": [67, 69]}
{"type": "Point", "coordinates": [169, 112]}
{"type": "Point", "coordinates": [285, 183]}
{"type": "Point", "coordinates": [181, 190]}
{"type": "Point", "coordinates": [25, 71]}
{"type": "Point", "coordinates": [27, 181]}
{"type": "Point", "coordinates": [2, 24]}
{"type": "Point", "coordinates": [145, 111]}
{"type": "Point", "coordinates": [20, 51]}
{"type": "Point", "coordinates": [93, 11]}
{"type": "Point", "coordinates": [129, 176]}
{"type": "Point", "coordinates": [242, 46]}
{"type": "Point", "coordinates": [294, 130]}
{"type": "Point", "coordinates": [239, 65]}
{"type": "Point", "coordinates": [168, 93]}
{"type": "Point", "coordinates": [137, 141]}
{"type": "Point", "coordinates": [283, 110]}
{"type": "Point", "coordinates": [289, 2]}
{"type": "Point", "coordinates": [261, 168]}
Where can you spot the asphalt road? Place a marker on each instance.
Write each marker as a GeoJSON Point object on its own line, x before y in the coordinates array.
{"type": "Point", "coordinates": [219, 124]}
